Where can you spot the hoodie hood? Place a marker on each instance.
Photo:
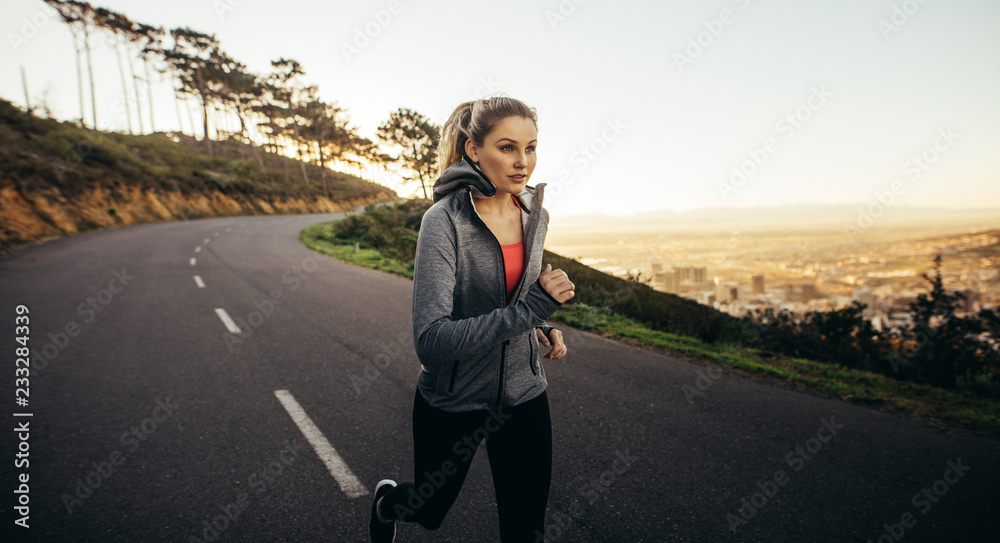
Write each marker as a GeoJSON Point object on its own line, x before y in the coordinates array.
{"type": "Point", "coordinates": [463, 174]}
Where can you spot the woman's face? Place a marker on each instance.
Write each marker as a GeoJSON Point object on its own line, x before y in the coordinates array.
{"type": "Point", "coordinates": [507, 155]}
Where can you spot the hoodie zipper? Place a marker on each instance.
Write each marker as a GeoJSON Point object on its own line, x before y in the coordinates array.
{"type": "Point", "coordinates": [503, 293]}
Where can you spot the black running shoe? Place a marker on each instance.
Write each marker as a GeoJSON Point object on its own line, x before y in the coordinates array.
{"type": "Point", "coordinates": [381, 532]}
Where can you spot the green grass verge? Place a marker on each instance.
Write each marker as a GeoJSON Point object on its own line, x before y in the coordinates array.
{"type": "Point", "coordinates": [319, 237]}
{"type": "Point", "coordinates": [944, 407]}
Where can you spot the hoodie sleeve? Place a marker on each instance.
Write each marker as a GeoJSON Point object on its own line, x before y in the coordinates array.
{"type": "Point", "coordinates": [437, 337]}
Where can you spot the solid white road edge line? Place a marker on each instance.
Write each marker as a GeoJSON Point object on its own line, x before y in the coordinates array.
{"type": "Point", "coordinates": [230, 325]}
{"type": "Point", "coordinates": [338, 468]}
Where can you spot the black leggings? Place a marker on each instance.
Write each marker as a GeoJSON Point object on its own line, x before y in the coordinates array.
{"type": "Point", "coordinates": [519, 444]}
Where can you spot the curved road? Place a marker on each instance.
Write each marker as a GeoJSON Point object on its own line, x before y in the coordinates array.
{"type": "Point", "coordinates": [152, 422]}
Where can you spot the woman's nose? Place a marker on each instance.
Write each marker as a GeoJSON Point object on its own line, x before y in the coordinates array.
{"type": "Point", "coordinates": [522, 160]}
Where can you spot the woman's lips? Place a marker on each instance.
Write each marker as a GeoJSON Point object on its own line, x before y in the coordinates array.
{"type": "Point", "coordinates": [518, 177]}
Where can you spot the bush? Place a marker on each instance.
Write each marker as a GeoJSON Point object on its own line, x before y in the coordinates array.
{"type": "Point", "coordinates": [389, 229]}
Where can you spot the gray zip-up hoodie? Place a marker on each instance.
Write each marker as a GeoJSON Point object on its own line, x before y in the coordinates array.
{"type": "Point", "coordinates": [476, 350]}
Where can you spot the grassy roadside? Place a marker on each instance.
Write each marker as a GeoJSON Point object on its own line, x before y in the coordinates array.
{"type": "Point", "coordinates": [319, 238]}
{"type": "Point", "coordinates": [937, 407]}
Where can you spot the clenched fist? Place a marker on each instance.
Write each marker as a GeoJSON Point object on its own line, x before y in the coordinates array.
{"type": "Point", "coordinates": [557, 284]}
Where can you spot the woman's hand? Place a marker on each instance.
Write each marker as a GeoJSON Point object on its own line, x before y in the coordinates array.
{"type": "Point", "coordinates": [558, 347]}
{"type": "Point", "coordinates": [557, 284]}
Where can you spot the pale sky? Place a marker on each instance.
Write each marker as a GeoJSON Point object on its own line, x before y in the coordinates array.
{"type": "Point", "coordinates": [872, 83]}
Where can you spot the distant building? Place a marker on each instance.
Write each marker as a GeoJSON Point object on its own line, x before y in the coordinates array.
{"type": "Point", "coordinates": [726, 291]}
{"type": "Point", "coordinates": [668, 282]}
{"type": "Point", "coordinates": [809, 292]}
{"type": "Point", "coordinates": [757, 283]}
{"type": "Point", "coordinates": [790, 294]}
{"type": "Point", "coordinates": [692, 274]}
{"type": "Point", "coordinates": [867, 297]}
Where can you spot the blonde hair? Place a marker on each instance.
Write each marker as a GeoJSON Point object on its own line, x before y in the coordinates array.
{"type": "Point", "coordinates": [473, 120]}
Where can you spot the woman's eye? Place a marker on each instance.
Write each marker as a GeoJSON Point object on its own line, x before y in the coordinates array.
{"type": "Point", "coordinates": [531, 148]}
{"type": "Point", "coordinates": [507, 148]}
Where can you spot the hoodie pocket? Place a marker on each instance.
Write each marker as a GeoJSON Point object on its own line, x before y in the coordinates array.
{"type": "Point", "coordinates": [454, 372]}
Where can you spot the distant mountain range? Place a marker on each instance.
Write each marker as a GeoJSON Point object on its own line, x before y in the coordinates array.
{"type": "Point", "coordinates": [784, 215]}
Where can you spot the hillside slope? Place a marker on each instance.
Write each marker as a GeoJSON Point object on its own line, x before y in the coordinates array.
{"type": "Point", "coordinates": [58, 179]}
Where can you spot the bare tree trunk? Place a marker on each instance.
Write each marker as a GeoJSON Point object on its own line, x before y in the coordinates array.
{"type": "Point", "coordinates": [90, 67]}
{"type": "Point", "coordinates": [135, 84]}
{"type": "Point", "coordinates": [24, 83]}
{"type": "Point", "coordinates": [187, 106]}
{"type": "Point", "coordinates": [322, 165]}
{"type": "Point", "coordinates": [302, 161]}
{"type": "Point", "coordinates": [204, 129]}
{"type": "Point", "coordinates": [121, 71]}
{"type": "Point", "coordinates": [79, 72]}
{"type": "Point", "coordinates": [302, 167]}
{"type": "Point", "coordinates": [204, 111]}
{"type": "Point", "coordinates": [245, 130]}
{"type": "Point", "coordinates": [149, 95]}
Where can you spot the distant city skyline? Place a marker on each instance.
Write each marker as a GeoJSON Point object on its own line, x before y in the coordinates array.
{"type": "Point", "coordinates": [642, 106]}
{"type": "Point", "coordinates": [797, 269]}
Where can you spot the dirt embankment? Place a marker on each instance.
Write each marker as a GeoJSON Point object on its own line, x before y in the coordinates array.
{"type": "Point", "coordinates": [32, 216]}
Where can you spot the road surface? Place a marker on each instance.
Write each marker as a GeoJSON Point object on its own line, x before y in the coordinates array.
{"type": "Point", "coordinates": [152, 421]}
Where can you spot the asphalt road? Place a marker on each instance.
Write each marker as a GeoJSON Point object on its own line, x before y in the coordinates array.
{"type": "Point", "coordinates": [150, 421]}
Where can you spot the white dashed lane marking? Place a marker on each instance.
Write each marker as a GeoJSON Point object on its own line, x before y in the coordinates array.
{"type": "Point", "coordinates": [338, 468]}
{"type": "Point", "coordinates": [230, 325]}
{"type": "Point", "coordinates": [348, 482]}
{"type": "Point", "coordinates": [193, 261]}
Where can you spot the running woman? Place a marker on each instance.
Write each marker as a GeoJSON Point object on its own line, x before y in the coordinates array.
{"type": "Point", "coordinates": [480, 300]}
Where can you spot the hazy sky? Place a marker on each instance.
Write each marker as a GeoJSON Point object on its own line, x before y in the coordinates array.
{"type": "Point", "coordinates": [816, 101]}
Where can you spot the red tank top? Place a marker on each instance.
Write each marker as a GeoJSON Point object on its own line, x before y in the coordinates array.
{"type": "Point", "coordinates": [513, 260]}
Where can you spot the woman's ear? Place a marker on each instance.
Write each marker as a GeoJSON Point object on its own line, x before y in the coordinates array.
{"type": "Point", "coordinates": [471, 151]}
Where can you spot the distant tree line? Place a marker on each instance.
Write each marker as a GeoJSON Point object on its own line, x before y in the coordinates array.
{"type": "Point", "coordinates": [277, 109]}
